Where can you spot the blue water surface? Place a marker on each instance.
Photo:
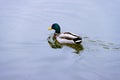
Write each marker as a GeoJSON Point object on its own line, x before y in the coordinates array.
{"type": "Point", "coordinates": [26, 55]}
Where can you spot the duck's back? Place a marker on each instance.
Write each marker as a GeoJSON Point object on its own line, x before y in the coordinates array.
{"type": "Point", "coordinates": [68, 37]}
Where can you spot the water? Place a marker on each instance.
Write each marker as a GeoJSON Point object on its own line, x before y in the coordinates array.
{"type": "Point", "coordinates": [26, 55]}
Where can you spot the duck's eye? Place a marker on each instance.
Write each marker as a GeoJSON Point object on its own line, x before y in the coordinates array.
{"type": "Point", "coordinates": [53, 27]}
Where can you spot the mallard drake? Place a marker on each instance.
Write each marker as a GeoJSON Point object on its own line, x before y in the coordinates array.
{"type": "Point", "coordinates": [65, 37]}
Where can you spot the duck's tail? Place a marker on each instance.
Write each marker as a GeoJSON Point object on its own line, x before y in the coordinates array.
{"type": "Point", "coordinates": [77, 40]}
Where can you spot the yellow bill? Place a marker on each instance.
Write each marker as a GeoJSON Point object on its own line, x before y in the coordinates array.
{"type": "Point", "coordinates": [49, 28]}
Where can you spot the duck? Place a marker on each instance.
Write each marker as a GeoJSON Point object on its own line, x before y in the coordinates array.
{"type": "Point", "coordinates": [65, 37]}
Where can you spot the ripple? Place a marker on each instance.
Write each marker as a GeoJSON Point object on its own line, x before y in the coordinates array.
{"type": "Point", "coordinates": [99, 44]}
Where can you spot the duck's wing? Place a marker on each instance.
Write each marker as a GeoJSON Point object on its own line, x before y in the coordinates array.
{"type": "Point", "coordinates": [68, 35]}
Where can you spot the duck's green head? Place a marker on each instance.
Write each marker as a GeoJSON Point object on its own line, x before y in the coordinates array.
{"type": "Point", "coordinates": [56, 27]}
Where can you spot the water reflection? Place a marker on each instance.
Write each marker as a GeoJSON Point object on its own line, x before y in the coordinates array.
{"type": "Point", "coordinates": [56, 45]}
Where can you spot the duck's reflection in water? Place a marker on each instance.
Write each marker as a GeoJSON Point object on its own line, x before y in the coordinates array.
{"type": "Point", "coordinates": [56, 45]}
